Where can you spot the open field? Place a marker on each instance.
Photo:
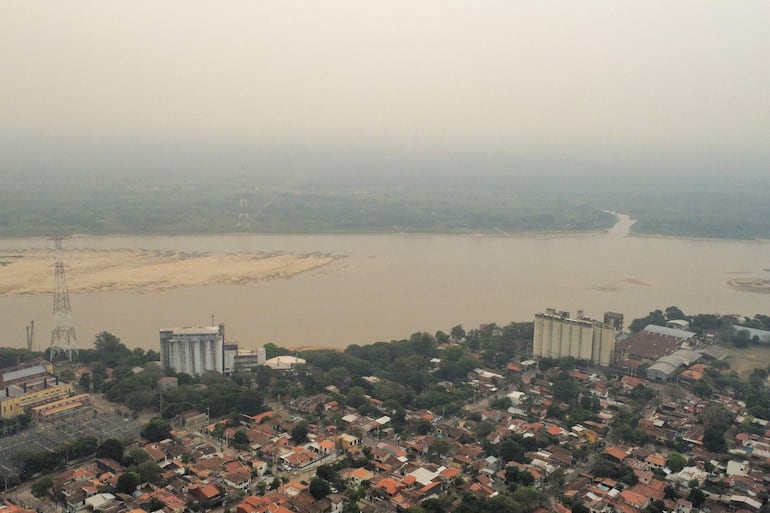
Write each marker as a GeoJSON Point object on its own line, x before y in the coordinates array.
{"type": "Point", "coordinates": [743, 361]}
{"type": "Point", "coordinates": [29, 272]}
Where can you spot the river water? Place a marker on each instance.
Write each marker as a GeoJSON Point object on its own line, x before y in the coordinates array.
{"type": "Point", "coordinates": [390, 286]}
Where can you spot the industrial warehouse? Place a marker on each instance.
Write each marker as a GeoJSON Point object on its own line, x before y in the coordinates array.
{"type": "Point", "coordinates": [659, 353]}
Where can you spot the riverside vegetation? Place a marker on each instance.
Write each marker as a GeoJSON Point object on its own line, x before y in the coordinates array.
{"type": "Point", "coordinates": [176, 202]}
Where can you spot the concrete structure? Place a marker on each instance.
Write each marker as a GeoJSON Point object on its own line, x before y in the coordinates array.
{"type": "Point", "coordinates": [557, 336]}
{"type": "Point", "coordinates": [27, 386]}
{"type": "Point", "coordinates": [230, 351]}
{"type": "Point", "coordinates": [615, 320]}
{"type": "Point", "coordinates": [246, 359]}
{"type": "Point", "coordinates": [57, 409]}
{"type": "Point", "coordinates": [193, 350]}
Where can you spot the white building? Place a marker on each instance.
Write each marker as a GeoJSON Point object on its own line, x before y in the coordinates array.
{"type": "Point", "coordinates": [193, 350]}
{"type": "Point", "coordinates": [284, 363]}
{"type": "Point", "coordinates": [557, 336]}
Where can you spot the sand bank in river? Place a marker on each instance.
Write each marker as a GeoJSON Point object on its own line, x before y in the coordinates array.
{"type": "Point", "coordinates": [751, 284]}
{"type": "Point", "coordinates": [28, 272]}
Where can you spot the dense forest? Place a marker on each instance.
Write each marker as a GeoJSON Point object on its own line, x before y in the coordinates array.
{"type": "Point", "coordinates": [173, 203]}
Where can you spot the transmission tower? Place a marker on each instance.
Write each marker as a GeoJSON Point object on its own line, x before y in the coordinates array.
{"type": "Point", "coordinates": [63, 338]}
{"type": "Point", "coordinates": [243, 206]}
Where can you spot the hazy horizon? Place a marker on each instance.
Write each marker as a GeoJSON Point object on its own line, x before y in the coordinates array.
{"type": "Point", "coordinates": [602, 83]}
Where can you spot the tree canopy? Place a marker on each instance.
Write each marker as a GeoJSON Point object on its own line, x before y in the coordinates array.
{"type": "Point", "coordinates": [156, 430]}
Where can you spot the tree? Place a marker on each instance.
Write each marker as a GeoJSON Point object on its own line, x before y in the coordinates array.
{"type": "Point", "coordinates": [458, 333]}
{"type": "Point", "coordinates": [716, 420]}
{"type": "Point", "coordinates": [156, 430]}
{"type": "Point", "coordinates": [714, 440]}
{"type": "Point", "coordinates": [319, 488]}
{"type": "Point", "coordinates": [127, 482]}
{"type": "Point", "coordinates": [656, 317]}
{"type": "Point", "coordinates": [676, 462]}
{"type": "Point", "coordinates": [41, 486]}
{"type": "Point", "coordinates": [516, 477]}
{"type": "Point", "coordinates": [299, 433]}
{"type": "Point", "coordinates": [501, 403]}
{"type": "Point", "coordinates": [272, 350]}
{"type": "Point", "coordinates": [327, 473]}
{"type": "Point", "coordinates": [697, 497]}
{"type": "Point", "coordinates": [669, 492]}
{"type": "Point", "coordinates": [356, 397]}
{"type": "Point", "coordinates": [149, 472]}
{"type": "Point", "coordinates": [110, 350]}
{"type": "Point", "coordinates": [135, 456]}
{"type": "Point", "coordinates": [510, 450]}
{"type": "Point", "coordinates": [423, 427]}
{"type": "Point", "coordinates": [439, 447]}
{"type": "Point", "coordinates": [240, 438]}
{"type": "Point", "coordinates": [580, 508]}
{"type": "Point", "coordinates": [674, 313]}
{"type": "Point", "coordinates": [565, 390]}
{"type": "Point", "coordinates": [111, 448]}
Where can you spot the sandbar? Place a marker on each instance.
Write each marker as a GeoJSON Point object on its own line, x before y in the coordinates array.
{"type": "Point", "coordinates": [31, 272]}
{"type": "Point", "coordinates": [761, 285]}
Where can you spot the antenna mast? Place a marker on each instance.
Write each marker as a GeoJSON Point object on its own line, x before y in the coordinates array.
{"type": "Point", "coordinates": [63, 338]}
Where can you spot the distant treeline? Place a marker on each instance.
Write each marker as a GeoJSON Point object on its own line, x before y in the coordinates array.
{"type": "Point", "coordinates": [384, 194]}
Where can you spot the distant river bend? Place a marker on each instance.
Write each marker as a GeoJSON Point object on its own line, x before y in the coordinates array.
{"type": "Point", "coordinates": [390, 286]}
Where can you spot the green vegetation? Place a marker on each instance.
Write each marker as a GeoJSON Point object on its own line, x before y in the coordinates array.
{"type": "Point", "coordinates": [135, 374]}
{"type": "Point", "coordinates": [516, 200]}
{"type": "Point", "coordinates": [156, 430]}
{"type": "Point", "coordinates": [42, 486]}
{"type": "Point", "coordinates": [31, 463]}
{"type": "Point", "coordinates": [406, 377]}
{"type": "Point", "coordinates": [175, 203]}
{"type": "Point", "coordinates": [523, 500]}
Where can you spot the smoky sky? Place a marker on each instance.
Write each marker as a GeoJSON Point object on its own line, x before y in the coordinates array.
{"type": "Point", "coordinates": [561, 76]}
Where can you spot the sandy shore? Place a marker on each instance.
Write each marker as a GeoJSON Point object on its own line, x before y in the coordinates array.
{"type": "Point", "coordinates": [30, 272]}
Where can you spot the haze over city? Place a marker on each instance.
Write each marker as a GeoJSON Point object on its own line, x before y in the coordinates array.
{"type": "Point", "coordinates": [373, 257]}
{"type": "Point", "coordinates": [496, 118]}
{"type": "Point", "coordinates": [582, 84]}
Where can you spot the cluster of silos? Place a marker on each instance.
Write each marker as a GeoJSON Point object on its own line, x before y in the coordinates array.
{"type": "Point", "coordinates": [557, 335]}
{"type": "Point", "coordinates": [193, 350]}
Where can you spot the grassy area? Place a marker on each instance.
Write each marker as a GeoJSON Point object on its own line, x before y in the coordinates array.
{"type": "Point", "coordinates": [745, 360]}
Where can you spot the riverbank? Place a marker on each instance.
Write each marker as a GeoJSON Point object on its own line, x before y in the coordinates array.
{"type": "Point", "coordinates": [29, 272]}
{"type": "Point", "coordinates": [388, 285]}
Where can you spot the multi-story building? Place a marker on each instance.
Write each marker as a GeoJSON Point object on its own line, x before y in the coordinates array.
{"type": "Point", "coordinates": [193, 350]}
{"type": "Point", "coordinates": [557, 335]}
{"type": "Point", "coordinates": [29, 385]}
{"type": "Point", "coordinates": [246, 359]}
